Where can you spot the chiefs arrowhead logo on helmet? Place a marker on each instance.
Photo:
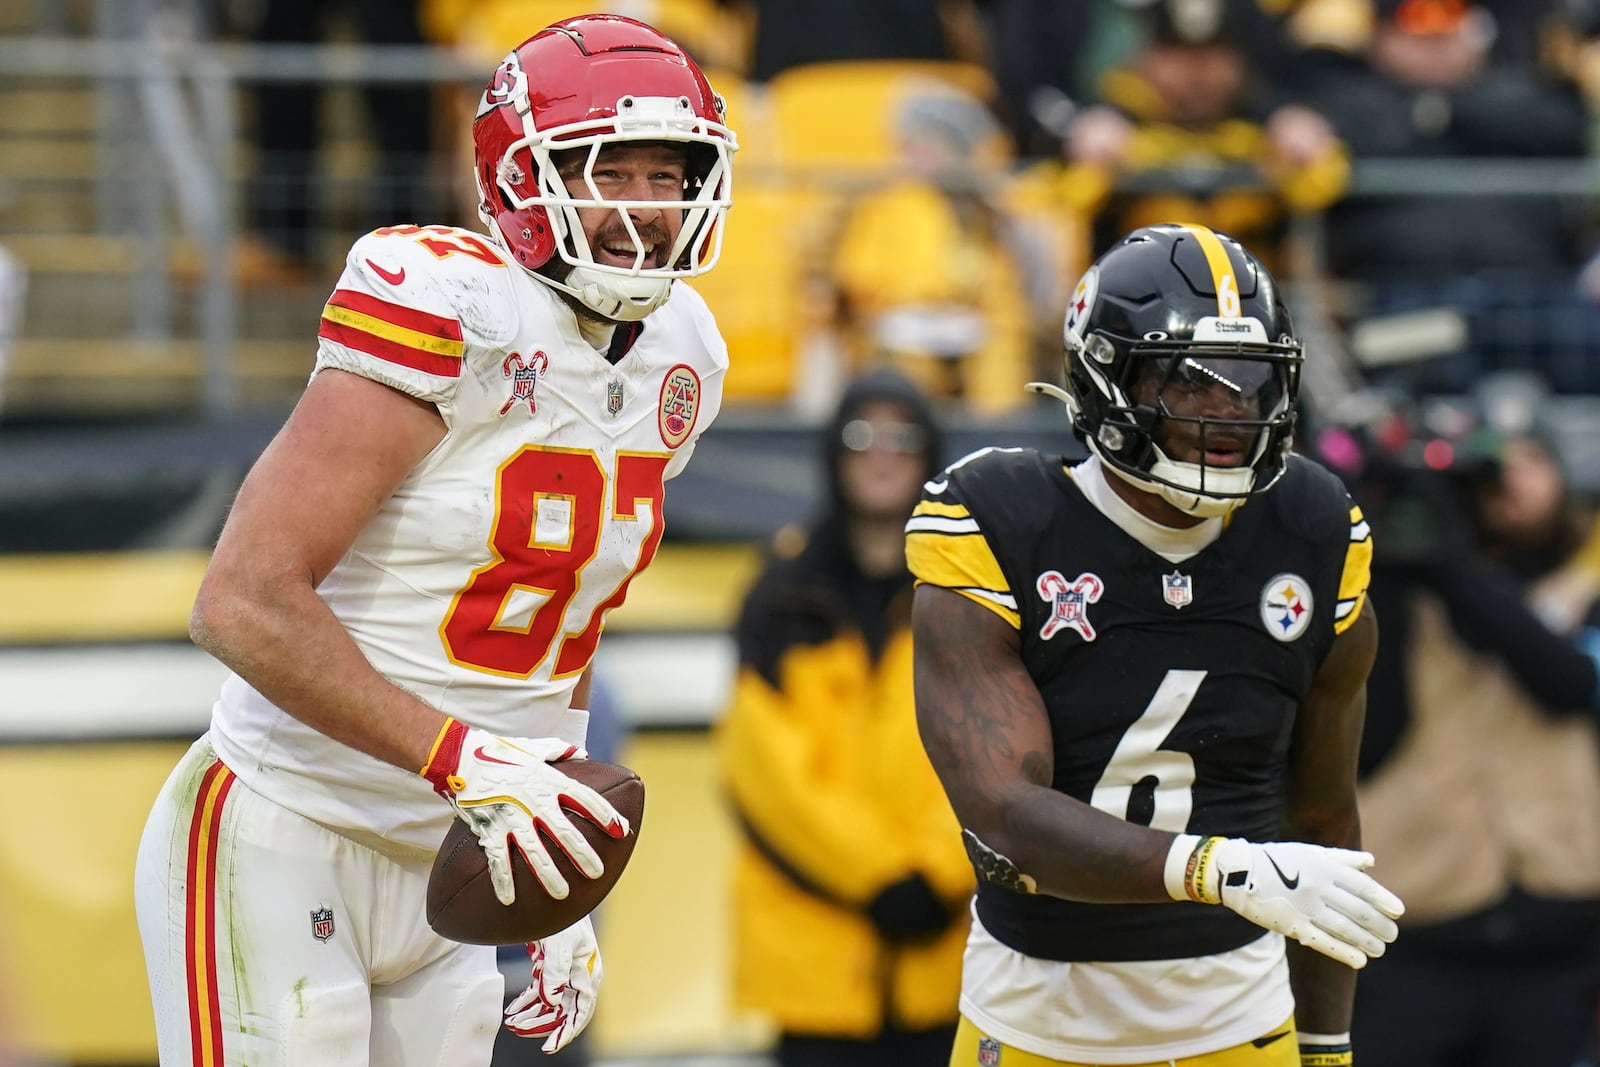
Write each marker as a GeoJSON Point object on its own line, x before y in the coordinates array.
{"type": "Point", "coordinates": [507, 85]}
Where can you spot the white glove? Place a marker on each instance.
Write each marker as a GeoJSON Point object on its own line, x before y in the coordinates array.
{"type": "Point", "coordinates": [1318, 896]}
{"type": "Point", "coordinates": [566, 981]}
{"type": "Point", "coordinates": [505, 789]}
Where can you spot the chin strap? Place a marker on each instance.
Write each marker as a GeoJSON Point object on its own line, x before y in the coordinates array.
{"type": "Point", "coordinates": [1050, 390]}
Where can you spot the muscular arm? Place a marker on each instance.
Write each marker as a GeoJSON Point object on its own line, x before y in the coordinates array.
{"type": "Point", "coordinates": [348, 445]}
{"type": "Point", "coordinates": [580, 692]}
{"type": "Point", "coordinates": [1322, 805]}
{"type": "Point", "coordinates": [985, 728]}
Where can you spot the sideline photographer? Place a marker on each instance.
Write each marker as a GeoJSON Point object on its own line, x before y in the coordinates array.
{"type": "Point", "coordinates": [1481, 790]}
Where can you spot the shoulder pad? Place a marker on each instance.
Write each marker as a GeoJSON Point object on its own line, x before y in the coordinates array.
{"type": "Point", "coordinates": [1311, 500]}
{"type": "Point", "coordinates": [687, 303]}
{"type": "Point", "coordinates": [410, 302]}
{"type": "Point", "coordinates": [990, 473]}
{"type": "Point", "coordinates": [1001, 489]}
{"type": "Point", "coordinates": [443, 270]}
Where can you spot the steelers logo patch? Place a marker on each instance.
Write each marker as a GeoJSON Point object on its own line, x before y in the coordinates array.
{"type": "Point", "coordinates": [1286, 606]}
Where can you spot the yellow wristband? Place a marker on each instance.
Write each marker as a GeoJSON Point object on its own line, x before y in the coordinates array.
{"type": "Point", "coordinates": [1310, 1057]}
{"type": "Point", "coordinates": [1198, 870]}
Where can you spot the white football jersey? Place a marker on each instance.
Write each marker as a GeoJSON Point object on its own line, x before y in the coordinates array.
{"type": "Point", "coordinates": [483, 584]}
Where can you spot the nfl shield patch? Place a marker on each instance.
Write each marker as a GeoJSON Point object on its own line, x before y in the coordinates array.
{"type": "Point", "coordinates": [988, 1052]}
{"type": "Point", "coordinates": [1177, 589]}
{"type": "Point", "coordinates": [322, 923]}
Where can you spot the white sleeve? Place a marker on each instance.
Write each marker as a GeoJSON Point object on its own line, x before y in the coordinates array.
{"type": "Point", "coordinates": [390, 320]}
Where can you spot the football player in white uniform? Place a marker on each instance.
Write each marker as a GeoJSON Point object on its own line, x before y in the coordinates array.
{"type": "Point", "coordinates": [412, 581]}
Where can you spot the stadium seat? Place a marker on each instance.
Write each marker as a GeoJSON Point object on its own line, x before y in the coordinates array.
{"type": "Point", "coordinates": [757, 290]}
{"type": "Point", "coordinates": [839, 116]}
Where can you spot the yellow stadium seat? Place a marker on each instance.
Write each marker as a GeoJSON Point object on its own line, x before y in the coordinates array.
{"type": "Point", "coordinates": [839, 116]}
{"type": "Point", "coordinates": [757, 289]}
{"type": "Point", "coordinates": [750, 117]}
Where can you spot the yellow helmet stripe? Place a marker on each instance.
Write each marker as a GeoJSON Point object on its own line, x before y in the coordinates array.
{"type": "Point", "coordinates": [1222, 279]}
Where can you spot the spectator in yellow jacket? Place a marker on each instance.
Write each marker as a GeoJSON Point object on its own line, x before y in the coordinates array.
{"type": "Point", "coordinates": [933, 274]}
{"type": "Point", "coordinates": [851, 885]}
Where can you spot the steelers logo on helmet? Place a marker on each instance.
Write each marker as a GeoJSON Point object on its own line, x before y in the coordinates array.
{"type": "Point", "coordinates": [1081, 304]}
{"type": "Point", "coordinates": [1183, 368]}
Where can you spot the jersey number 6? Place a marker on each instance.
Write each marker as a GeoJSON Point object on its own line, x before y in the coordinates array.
{"type": "Point", "coordinates": [1139, 757]}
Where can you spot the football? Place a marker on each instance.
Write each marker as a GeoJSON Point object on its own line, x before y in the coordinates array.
{"type": "Point", "coordinates": [461, 902]}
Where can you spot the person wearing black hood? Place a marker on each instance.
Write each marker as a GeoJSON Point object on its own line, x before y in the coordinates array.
{"type": "Point", "coordinates": [851, 885]}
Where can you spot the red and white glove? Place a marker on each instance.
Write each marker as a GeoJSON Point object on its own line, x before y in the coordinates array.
{"type": "Point", "coordinates": [1319, 896]}
{"type": "Point", "coordinates": [505, 790]}
{"type": "Point", "coordinates": [566, 981]}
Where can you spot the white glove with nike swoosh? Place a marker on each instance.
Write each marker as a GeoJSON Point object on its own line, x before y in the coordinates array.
{"type": "Point", "coordinates": [566, 980]}
{"type": "Point", "coordinates": [505, 790]}
{"type": "Point", "coordinates": [1319, 896]}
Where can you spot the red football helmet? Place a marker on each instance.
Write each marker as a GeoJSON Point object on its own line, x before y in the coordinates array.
{"type": "Point", "coordinates": [586, 83]}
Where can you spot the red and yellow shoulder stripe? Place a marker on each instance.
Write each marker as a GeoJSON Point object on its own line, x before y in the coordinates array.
{"type": "Point", "coordinates": [393, 332]}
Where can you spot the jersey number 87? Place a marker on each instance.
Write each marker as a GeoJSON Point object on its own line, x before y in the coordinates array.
{"type": "Point", "coordinates": [474, 635]}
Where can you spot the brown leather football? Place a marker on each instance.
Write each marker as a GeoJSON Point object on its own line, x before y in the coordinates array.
{"type": "Point", "coordinates": [461, 902]}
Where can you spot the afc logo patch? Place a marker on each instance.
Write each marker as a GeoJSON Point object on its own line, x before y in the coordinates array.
{"type": "Point", "coordinates": [524, 374]}
{"type": "Point", "coordinates": [322, 923]}
{"type": "Point", "coordinates": [988, 1052]}
{"type": "Point", "coordinates": [1286, 606]}
{"type": "Point", "coordinates": [1069, 603]}
{"type": "Point", "coordinates": [680, 404]}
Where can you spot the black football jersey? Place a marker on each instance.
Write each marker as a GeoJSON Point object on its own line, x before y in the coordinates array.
{"type": "Point", "coordinates": [1171, 689]}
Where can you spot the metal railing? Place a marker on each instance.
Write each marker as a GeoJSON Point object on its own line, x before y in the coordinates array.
{"type": "Point", "coordinates": [168, 104]}
{"type": "Point", "coordinates": [172, 100]}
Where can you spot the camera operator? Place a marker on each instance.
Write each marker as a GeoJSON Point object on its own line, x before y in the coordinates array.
{"type": "Point", "coordinates": [1481, 767]}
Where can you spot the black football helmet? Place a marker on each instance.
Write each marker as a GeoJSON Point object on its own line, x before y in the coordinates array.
{"type": "Point", "coordinates": [1172, 311]}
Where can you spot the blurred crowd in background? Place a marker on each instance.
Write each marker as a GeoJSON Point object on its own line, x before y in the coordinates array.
{"type": "Point", "coordinates": [920, 182]}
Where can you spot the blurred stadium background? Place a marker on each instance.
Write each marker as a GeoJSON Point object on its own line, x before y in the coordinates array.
{"type": "Point", "coordinates": [161, 275]}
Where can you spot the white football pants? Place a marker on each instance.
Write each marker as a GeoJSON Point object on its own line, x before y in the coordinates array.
{"type": "Point", "coordinates": [274, 942]}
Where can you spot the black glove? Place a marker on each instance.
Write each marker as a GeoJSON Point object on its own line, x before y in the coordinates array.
{"type": "Point", "coordinates": [908, 910]}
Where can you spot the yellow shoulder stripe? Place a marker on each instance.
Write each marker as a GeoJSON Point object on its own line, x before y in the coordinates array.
{"type": "Point", "coordinates": [1357, 574]}
{"type": "Point", "coordinates": [965, 563]}
{"type": "Point", "coordinates": [947, 511]}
